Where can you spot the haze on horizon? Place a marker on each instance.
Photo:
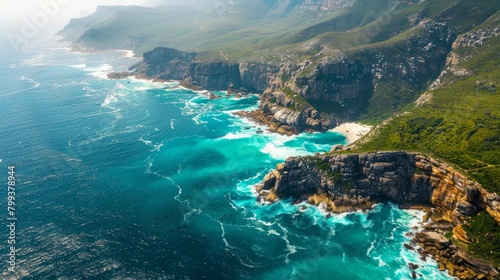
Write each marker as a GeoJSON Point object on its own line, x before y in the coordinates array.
{"type": "Point", "coordinates": [25, 21]}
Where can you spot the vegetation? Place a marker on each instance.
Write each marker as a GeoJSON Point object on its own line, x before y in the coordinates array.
{"type": "Point", "coordinates": [285, 78]}
{"type": "Point", "coordinates": [484, 230]}
{"type": "Point", "coordinates": [461, 123]}
{"type": "Point", "coordinates": [326, 167]}
{"type": "Point", "coordinates": [335, 176]}
{"type": "Point", "coordinates": [322, 165]}
{"type": "Point", "coordinates": [260, 29]}
{"type": "Point", "coordinates": [390, 98]}
{"type": "Point", "coordinates": [300, 102]}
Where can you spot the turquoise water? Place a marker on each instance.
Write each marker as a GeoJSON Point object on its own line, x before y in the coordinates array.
{"type": "Point", "coordinates": [132, 179]}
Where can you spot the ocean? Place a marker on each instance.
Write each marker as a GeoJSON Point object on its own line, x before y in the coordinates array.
{"type": "Point", "coordinates": [132, 179]}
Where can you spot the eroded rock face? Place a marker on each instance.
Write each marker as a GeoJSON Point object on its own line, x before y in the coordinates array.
{"type": "Point", "coordinates": [298, 92]}
{"type": "Point", "coordinates": [167, 62]}
{"type": "Point", "coordinates": [215, 75]}
{"type": "Point", "coordinates": [171, 64]}
{"type": "Point", "coordinates": [350, 182]}
{"type": "Point", "coordinates": [336, 80]}
{"type": "Point", "coordinates": [372, 176]}
{"type": "Point", "coordinates": [450, 257]}
{"type": "Point", "coordinates": [402, 177]}
{"type": "Point", "coordinates": [283, 111]}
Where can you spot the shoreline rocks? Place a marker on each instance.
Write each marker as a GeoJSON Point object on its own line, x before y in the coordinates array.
{"type": "Point", "coordinates": [451, 257]}
{"type": "Point", "coordinates": [350, 182]}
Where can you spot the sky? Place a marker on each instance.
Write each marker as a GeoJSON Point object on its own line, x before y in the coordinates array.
{"type": "Point", "coordinates": [22, 21]}
{"type": "Point", "coordinates": [59, 11]}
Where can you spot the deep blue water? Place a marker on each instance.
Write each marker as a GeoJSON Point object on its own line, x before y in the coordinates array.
{"type": "Point", "coordinates": [131, 179]}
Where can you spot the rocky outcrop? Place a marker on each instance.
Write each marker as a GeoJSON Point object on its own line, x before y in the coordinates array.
{"type": "Point", "coordinates": [336, 87]}
{"type": "Point", "coordinates": [349, 182]}
{"type": "Point", "coordinates": [477, 37]}
{"type": "Point", "coordinates": [167, 63]}
{"type": "Point", "coordinates": [348, 179]}
{"type": "Point", "coordinates": [433, 243]}
{"type": "Point", "coordinates": [336, 80]}
{"type": "Point", "coordinates": [215, 75]}
{"type": "Point", "coordinates": [171, 64]}
{"type": "Point", "coordinates": [290, 114]}
{"type": "Point", "coordinates": [401, 177]}
{"type": "Point", "coordinates": [461, 49]}
{"type": "Point", "coordinates": [315, 97]}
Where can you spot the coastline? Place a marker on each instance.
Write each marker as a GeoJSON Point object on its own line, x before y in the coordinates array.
{"type": "Point", "coordinates": [126, 53]}
{"type": "Point", "coordinates": [352, 131]}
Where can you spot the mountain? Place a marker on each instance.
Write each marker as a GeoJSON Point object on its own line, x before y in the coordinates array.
{"type": "Point", "coordinates": [207, 25]}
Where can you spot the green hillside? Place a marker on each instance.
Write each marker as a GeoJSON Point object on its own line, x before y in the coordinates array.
{"type": "Point", "coordinates": [461, 122]}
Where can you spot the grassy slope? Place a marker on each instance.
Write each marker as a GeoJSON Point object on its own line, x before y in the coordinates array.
{"type": "Point", "coordinates": [461, 123]}
{"type": "Point", "coordinates": [248, 24]}
{"type": "Point", "coordinates": [233, 32]}
{"type": "Point", "coordinates": [209, 31]}
{"type": "Point", "coordinates": [485, 230]}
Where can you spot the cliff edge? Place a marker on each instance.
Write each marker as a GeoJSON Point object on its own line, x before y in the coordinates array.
{"type": "Point", "coordinates": [350, 182]}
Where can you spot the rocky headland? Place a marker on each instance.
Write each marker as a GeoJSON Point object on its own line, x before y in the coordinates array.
{"type": "Point", "coordinates": [350, 182]}
{"type": "Point", "coordinates": [313, 93]}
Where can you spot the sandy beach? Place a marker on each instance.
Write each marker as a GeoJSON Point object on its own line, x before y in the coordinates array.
{"type": "Point", "coordinates": [127, 53]}
{"type": "Point", "coordinates": [353, 131]}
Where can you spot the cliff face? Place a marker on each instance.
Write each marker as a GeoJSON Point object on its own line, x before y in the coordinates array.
{"type": "Point", "coordinates": [336, 80]}
{"type": "Point", "coordinates": [166, 62]}
{"type": "Point", "coordinates": [340, 183]}
{"type": "Point", "coordinates": [350, 182]}
{"type": "Point", "coordinates": [310, 96]}
{"type": "Point", "coordinates": [252, 77]}
{"type": "Point", "coordinates": [172, 64]}
{"type": "Point", "coordinates": [215, 75]}
{"type": "Point", "coordinates": [286, 115]}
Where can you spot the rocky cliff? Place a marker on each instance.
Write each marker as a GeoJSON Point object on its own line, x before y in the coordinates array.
{"type": "Point", "coordinates": [171, 64]}
{"type": "Point", "coordinates": [335, 83]}
{"type": "Point", "coordinates": [318, 93]}
{"type": "Point", "coordinates": [167, 63]}
{"type": "Point", "coordinates": [349, 182]}
{"type": "Point", "coordinates": [315, 93]}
